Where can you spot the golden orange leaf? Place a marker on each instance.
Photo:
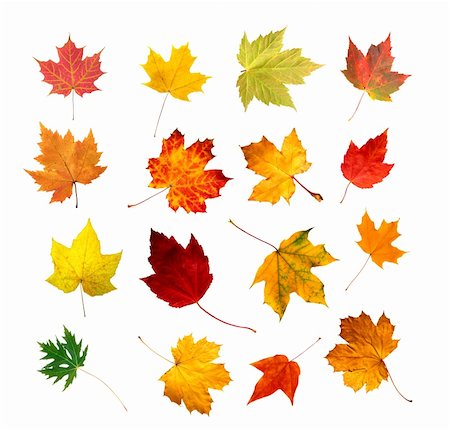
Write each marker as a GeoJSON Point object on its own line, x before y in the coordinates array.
{"type": "Point", "coordinates": [378, 242]}
{"type": "Point", "coordinates": [194, 373]}
{"type": "Point", "coordinates": [66, 162]}
{"type": "Point", "coordinates": [278, 168]}
{"type": "Point", "coordinates": [361, 359]}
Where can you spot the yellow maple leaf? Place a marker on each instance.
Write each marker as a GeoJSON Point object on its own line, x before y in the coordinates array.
{"type": "Point", "coordinates": [174, 76]}
{"type": "Point", "coordinates": [83, 264]}
{"type": "Point", "coordinates": [279, 168]}
{"type": "Point", "coordinates": [288, 270]}
{"type": "Point", "coordinates": [361, 359]}
{"type": "Point", "coordinates": [377, 242]}
{"type": "Point", "coordinates": [194, 373]}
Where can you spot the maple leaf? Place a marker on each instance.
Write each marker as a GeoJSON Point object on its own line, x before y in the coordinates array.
{"type": "Point", "coordinates": [72, 74]}
{"type": "Point", "coordinates": [83, 264]}
{"type": "Point", "coordinates": [182, 275]}
{"type": "Point", "coordinates": [361, 359]}
{"type": "Point", "coordinates": [280, 373]}
{"type": "Point", "coordinates": [66, 162]}
{"type": "Point", "coordinates": [194, 373]}
{"type": "Point", "coordinates": [267, 70]}
{"type": "Point", "coordinates": [288, 269]}
{"type": "Point", "coordinates": [372, 72]}
{"type": "Point", "coordinates": [279, 168]}
{"type": "Point", "coordinates": [183, 172]}
{"type": "Point", "coordinates": [66, 357]}
{"type": "Point", "coordinates": [364, 166]}
{"type": "Point", "coordinates": [378, 242]}
{"type": "Point", "coordinates": [174, 76]}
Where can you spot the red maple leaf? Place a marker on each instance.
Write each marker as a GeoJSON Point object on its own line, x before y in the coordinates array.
{"type": "Point", "coordinates": [364, 166]}
{"type": "Point", "coordinates": [72, 72]}
{"type": "Point", "coordinates": [182, 275]}
{"type": "Point", "coordinates": [372, 72]}
{"type": "Point", "coordinates": [280, 373]}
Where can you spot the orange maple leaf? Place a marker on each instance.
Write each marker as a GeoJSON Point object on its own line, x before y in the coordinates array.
{"type": "Point", "coordinates": [280, 373]}
{"type": "Point", "coordinates": [378, 242]}
{"type": "Point", "coordinates": [361, 359]}
{"type": "Point", "coordinates": [66, 162]}
{"type": "Point", "coordinates": [182, 171]}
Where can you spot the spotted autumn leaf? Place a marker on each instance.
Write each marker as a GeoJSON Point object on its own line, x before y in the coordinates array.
{"type": "Point", "coordinates": [278, 167]}
{"type": "Point", "coordinates": [66, 162]}
{"type": "Point", "coordinates": [373, 73]}
{"type": "Point", "coordinates": [288, 270]}
{"type": "Point", "coordinates": [73, 73]}
{"type": "Point", "coordinates": [361, 359]}
{"type": "Point", "coordinates": [182, 172]}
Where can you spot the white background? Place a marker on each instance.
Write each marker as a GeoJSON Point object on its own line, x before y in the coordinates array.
{"type": "Point", "coordinates": [413, 294]}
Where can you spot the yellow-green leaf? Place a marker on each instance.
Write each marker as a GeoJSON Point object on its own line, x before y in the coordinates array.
{"type": "Point", "coordinates": [267, 70]}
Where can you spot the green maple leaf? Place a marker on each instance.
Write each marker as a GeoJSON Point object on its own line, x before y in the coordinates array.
{"type": "Point", "coordinates": [268, 70]}
{"type": "Point", "coordinates": [66, 357]}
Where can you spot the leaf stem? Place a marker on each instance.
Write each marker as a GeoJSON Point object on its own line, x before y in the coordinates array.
{"type": "Point", "coordinates": [223, 321]}
{"type": "Point", "coordinates": [76, 193]}
{"type": "Point", "coordinates": [345, 192]}
{"type": "Point", "coordinates": [398, 391]}
{"type": "Point", "coordinates": [82, 300]}
{"type": "Point", "coordinates": [99, 379]}
{"type": "Point", "coordinates": [357, 107]}
{"type": "Point", "coordinates": [153, 351]}
{"type": "Point", "coordinates": [160, 113]}
{"type": "Point", "coordinates": [359, 272]}
{"type": "Point", "coordinates": [149, 198]}
{"type": "Point", "coordinates": [73, 104]}
{"type": "Point", "coordinates": [314, 343]}
{"type": "Point", "coordinates": [318, 197]}
{"type": "Point", "coordinates": [251, 235]}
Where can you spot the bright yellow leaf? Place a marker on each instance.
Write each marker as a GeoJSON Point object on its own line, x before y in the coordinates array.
{"type": "Point", "coordinates": [174, 76]}
{"type": "Point", "coordinates": [83, 264]}
{"type": "Point", "coordinates": [288, 270]}
{"type": "Point", "coordinates": [279, 167]}
{"type": "Point", "coordinates": [194, 373]}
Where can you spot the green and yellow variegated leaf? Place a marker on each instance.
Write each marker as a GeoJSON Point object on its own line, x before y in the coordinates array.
{"type": "Point", "coordinates": [267, 70]}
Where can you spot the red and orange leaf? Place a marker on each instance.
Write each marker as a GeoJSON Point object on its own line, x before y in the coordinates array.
{"type": "Point", "coordinates": [181, 274]}
{"type": "Point", "coordinates": [66, 162]}
{"type": "Point", "coordinates": [279, 374]}
{"type": "Point", "coordinates": [378, 242]}
{"type": "Point", "coordinates": [72, 72]}
{"type": "Point", "coordinates": [364, 166]}
{"type": "Point", "coordinates": [372, 72]}
{"type": "Point", "coordinates": [183, 172]}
